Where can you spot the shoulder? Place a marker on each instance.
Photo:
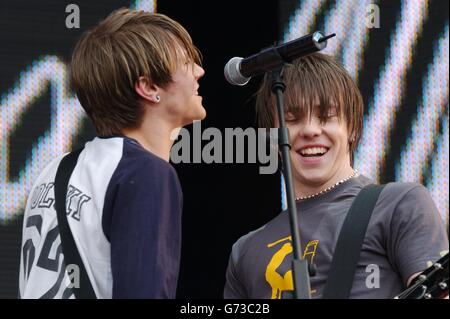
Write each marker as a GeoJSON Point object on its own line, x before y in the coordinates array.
{"type": "Point", "coordinates": [395, 192]}
{"type": "Point", "coordinates": [398, 192]}
{"type": "Point", "coordinates": [403, 188]}
{"type": "Point", "coordinates": [141, 186]}
{"type": "Point", "coordinates": [269, 232]}
{"type": "Point", "coordinates": [406, 203]}
{"type": "Point", "coordinates": [243, 243]}
{"type": "Point", "coordinates": [138, 157]}
{"type": "Point", "coordinates": [50, 169]}
{"type": "Point", "coordinates": [140, 164]}
{"type": "Point", "coordinates": [47, 175]}
{"type": "Point", "coordinates": [44, 180]}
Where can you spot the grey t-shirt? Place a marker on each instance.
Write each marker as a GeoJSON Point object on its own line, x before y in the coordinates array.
{"type": "Point", "coordinates": [404, 233]}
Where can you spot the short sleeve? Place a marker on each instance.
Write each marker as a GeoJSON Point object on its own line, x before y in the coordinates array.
{"type": "Point", "coordinates": [417, 233]}
{"type": "Point", "coordinates": [234, 288]}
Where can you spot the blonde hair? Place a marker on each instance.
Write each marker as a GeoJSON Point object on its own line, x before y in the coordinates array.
{"type": "Point", "coordinates": [315, 84]}
{"type": "Point", "coordinates": [109, 59]}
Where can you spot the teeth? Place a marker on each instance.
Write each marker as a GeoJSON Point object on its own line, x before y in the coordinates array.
{"type": "Point", "coordinates": [313, 150]}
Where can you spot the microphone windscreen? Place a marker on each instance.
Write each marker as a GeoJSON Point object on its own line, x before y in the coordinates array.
{"type": "Point", "coordinates": [233, 74]}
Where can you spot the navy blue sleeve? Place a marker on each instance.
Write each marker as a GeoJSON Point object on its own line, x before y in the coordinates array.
{"type": "Point", "coordinates": [144, 204]}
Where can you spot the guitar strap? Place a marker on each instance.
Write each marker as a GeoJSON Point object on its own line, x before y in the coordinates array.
{"type": "Point", "coordinates": [349, 244]}
{"type": "Point", "coordinates": [69, 247]}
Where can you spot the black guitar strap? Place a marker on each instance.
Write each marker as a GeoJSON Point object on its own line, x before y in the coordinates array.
{"type": "Point", "coordinates": [69, 248]}
{"type": "Point", "coordinates": [349, 244]}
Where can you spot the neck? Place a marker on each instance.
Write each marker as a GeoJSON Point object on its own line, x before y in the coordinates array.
{"type": "Point", "coordinates": [154, 134]}
{"type": "Point", "coordinates": [304, 189]}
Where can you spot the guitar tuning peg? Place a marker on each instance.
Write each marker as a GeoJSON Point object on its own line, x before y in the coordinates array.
{"type": "Point", "coordinates": [422, 277]}
{"type": "Point", "coordinates": [427, 296]}
{"type": "Point", "coordinates": [438, 266]}
{"type": "Point", "coordinates": [442, 285]}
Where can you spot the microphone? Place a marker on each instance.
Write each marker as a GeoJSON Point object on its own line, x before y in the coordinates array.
{"type": "Point", "coordinates": [238, 71]}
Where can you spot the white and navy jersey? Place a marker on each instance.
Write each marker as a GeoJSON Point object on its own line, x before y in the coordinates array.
{"type": "Point", "coordinates": [123, 207]}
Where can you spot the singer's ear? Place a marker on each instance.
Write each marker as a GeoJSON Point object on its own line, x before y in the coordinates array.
{"type": "Point", "coordinates": [147, 90]}
{"type": "Point", "coordinates": [352, 138]}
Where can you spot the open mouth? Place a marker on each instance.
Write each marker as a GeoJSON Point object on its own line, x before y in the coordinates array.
{"type": "Point", "coordinates": [318, 151]}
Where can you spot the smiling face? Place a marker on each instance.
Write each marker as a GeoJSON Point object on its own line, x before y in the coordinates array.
{"type": "Point", "coordinates": [320, 151]}
{"type": "Point", "coordinates": [324, 113]}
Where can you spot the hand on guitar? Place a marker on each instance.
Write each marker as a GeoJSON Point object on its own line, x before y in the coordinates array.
{"type": "Point", "coordinates": [431, 283]}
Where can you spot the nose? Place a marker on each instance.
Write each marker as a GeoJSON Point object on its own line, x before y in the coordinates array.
{"type": "Point", "coordinates": [310, 127]}
{"type": "Point", "coordinates": [198, 71]}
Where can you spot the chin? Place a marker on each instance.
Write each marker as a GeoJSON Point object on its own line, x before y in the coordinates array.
{"type": "Point", "coordinates": [314, 180]}
{"type": "Point", "coordinates": [200, 114]}
{"type": "Point", "coordinates": [203, 115]}
{"type": "Point", "coordinates": [313, 177]}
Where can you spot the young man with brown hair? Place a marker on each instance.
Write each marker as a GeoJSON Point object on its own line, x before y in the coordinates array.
{"type": "Point", "coordinates": [136, 75]}
{"type": "Point", "coordinates": [324, 114]}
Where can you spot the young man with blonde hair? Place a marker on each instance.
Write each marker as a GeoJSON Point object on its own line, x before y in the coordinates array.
{"type": "Point", "coordinates": [324, 114]}
{"type": "Point", "coordinates": [136, 75]}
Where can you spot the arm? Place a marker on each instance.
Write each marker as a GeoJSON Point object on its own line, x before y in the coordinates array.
{"type": "Point", "coordinates": [234, 288]}
{"type": "Point", "coordinates": [145, 233]}
{"type": "Point", "coordinates": [417, 234]}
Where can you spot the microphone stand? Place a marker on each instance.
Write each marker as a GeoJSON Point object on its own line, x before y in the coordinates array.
{"type": "Point", "coordinates": [300, 269]}
{"type": "Point", "coordinates": [270, 60]}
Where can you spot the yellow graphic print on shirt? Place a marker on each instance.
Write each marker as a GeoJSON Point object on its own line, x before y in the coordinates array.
{"type": "Point", "coordinates": [278, 282]}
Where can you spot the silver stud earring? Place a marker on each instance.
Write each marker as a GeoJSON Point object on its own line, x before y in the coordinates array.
{"type": "Point", "coordinates": [158, 98]}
